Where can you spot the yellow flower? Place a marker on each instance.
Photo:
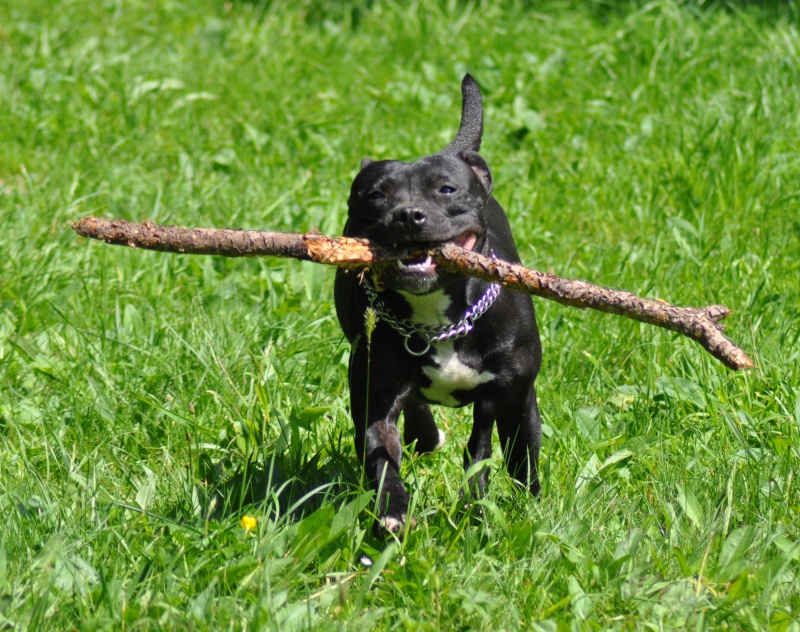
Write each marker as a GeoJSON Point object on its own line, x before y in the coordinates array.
{"type": "Point", "coordinates": [248, 522]}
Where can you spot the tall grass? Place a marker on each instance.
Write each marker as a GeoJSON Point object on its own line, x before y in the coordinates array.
{"type": "Point", "coordinates": [148, 402]}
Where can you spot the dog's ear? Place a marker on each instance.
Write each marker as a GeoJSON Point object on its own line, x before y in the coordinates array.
{"type": "Point", "coordinates": [471, 129]}
{"type": "Point", "coordinates": [365, 162]}
{"type": "Point", "coordinates": [479, 168]}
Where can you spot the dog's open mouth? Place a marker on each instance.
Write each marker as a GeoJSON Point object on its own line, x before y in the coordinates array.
{"type": "Point", "coordinates": [466, 240]}
{"type": "Point", "coordinates": [427, 265]}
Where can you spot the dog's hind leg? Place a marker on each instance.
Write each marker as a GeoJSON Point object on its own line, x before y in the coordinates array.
{"type": "Point", "coordinates": [420, 426]}
{"type": "Point", "coordinates": [479, 446]}
{"type": "Point", "coordinates": [520, 430]}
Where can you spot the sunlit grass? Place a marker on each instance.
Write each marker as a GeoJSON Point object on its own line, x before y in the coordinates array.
{"type": "Point", "coordinates": [175, 445]}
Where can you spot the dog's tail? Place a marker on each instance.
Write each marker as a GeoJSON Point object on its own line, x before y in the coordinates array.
{"type": "Point", "coordinates": [471, 130]}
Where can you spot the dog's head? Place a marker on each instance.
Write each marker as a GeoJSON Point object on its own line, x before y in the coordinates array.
{"type": "Point", "coordinates": [438, 199]}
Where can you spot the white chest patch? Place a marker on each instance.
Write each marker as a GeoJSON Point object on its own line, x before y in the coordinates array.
{"type": "Point", "coordinates": [429, 309]}
{"type": "Point", "coordinates": [450, 374]}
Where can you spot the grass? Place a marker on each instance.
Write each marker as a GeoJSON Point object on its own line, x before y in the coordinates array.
{"type": "Point", "coordinates": [149, 402]}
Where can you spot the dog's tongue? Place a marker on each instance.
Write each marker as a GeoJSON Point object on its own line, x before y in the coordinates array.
{"type": "Point", "coordinates": [466, 241]}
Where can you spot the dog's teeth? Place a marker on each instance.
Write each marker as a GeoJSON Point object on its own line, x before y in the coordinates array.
{"type": "Point", "coordinates": [419, 266]}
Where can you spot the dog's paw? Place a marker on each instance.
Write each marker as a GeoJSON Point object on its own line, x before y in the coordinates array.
{"type": "Point", "coordinates": [396, 526]}
{"type": "Point", "coordinates": [422, 449]}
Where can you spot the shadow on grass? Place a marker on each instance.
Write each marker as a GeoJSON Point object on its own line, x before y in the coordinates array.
{"type": "Point", "coordinates": [278, 484]}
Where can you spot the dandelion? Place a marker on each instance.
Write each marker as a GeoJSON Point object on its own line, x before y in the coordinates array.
{"type": "Point", "coordinates": [248, 522]}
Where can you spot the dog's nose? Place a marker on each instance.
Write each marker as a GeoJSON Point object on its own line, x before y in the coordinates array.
{"type": "Point", "coordinates": [410, 217]}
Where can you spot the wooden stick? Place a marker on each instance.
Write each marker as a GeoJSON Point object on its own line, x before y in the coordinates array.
{"type": "Point", "coordinates": [698, 323]}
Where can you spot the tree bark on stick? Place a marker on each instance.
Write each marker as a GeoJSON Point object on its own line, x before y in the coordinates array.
{"type": "Point", "coordinates": [701, 324]}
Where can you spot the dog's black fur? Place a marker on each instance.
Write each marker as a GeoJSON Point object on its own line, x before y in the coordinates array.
{"type": "Point", "coordinates": [440, 198]}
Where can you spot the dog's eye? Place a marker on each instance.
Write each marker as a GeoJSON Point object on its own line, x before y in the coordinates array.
{"type": "Point", "coordinates": [447, 189]}
{"type": "Point", "coordinates": [375, 195]}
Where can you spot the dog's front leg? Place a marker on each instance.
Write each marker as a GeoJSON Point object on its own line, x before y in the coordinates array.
{"type": "Point", "coordinates": [375, 413]}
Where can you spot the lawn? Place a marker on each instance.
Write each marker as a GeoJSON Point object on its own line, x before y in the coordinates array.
{"type": "Point", "coordinates": [151, 402]}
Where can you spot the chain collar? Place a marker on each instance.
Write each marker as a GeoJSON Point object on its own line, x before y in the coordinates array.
{"type": "Point", "coordinates": [429, 334]}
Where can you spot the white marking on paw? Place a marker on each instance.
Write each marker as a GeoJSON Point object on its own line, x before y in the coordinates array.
{"type": "Point", "coordinates": [393, 525]}
{"type": "Point", "coordinates": [398, 526]}
{"type": "Point", "coordinates": [366, 561]}
{"type": "Point", "coordinates": [450, 374]}
{"type": "Point", "coordinates": [442, 439]}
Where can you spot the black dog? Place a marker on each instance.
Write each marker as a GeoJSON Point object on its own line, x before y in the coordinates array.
{"type": "Point", "coordinates": [440, 338]}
